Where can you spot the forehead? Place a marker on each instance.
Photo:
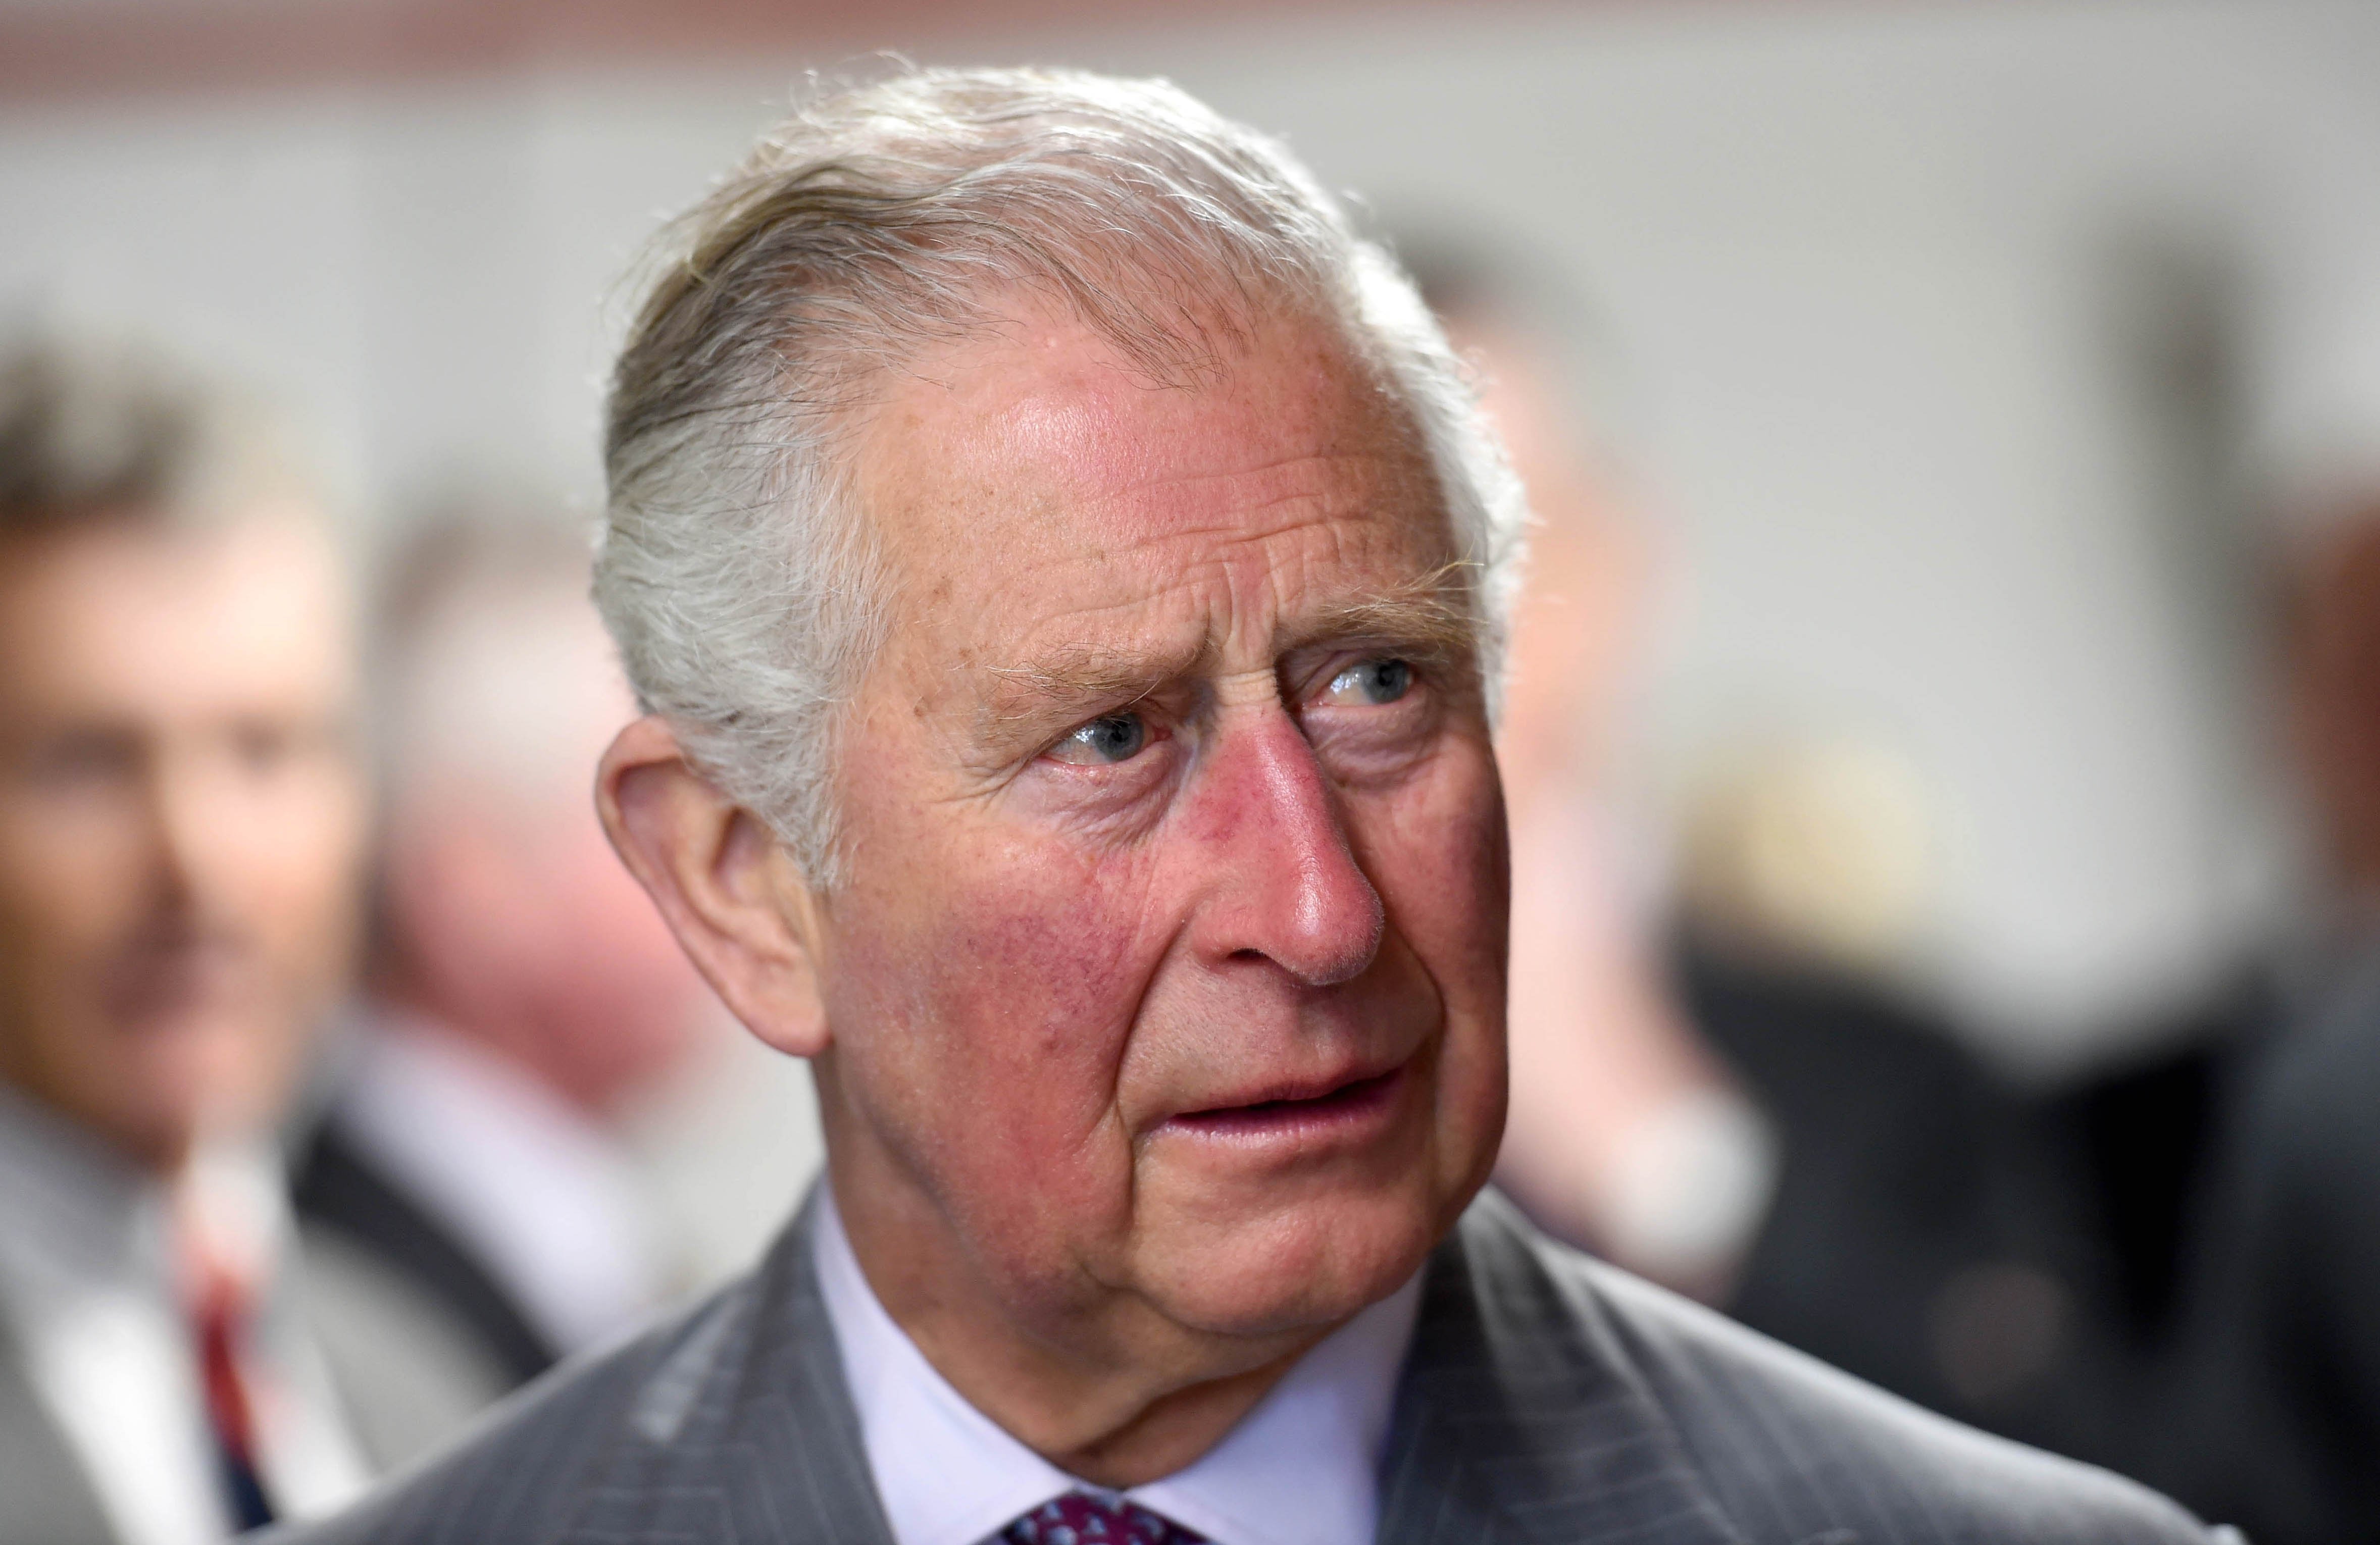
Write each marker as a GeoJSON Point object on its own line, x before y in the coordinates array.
{"type": "Point", "coordinates": [1033, 484]}
{"type": "Point", "coordinates": [125, 618]}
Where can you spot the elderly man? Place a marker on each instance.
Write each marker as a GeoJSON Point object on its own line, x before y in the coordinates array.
{"type": "Point", "coordinates": [181, 830]}
{"type": "Point", "coordinates": [1064, 572]}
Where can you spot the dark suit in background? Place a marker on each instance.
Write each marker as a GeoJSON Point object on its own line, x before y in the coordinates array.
{"type": "Point", "coordinates": [1921, 1236]}
{"type": "Point", "coordinates": [340, 1189]}
{"type": "Point", "coordinates": [2143, 1141]}
{"type": "Point", "coordinates": [2273, 1414]}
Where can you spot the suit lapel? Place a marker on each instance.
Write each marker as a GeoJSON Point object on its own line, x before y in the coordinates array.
{"type": "Point", "coordinates": [744, 1434]}
{"type": "Point", "coordinates": [1519, 1419]}
{"type": "Point", "coordinates": [46, 1497]}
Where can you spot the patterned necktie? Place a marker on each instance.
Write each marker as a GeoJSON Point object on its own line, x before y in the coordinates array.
{"type": "Point", "coordinates": [219, 1316]}
{"type": "Point", "coordinates": [1079, 1518]}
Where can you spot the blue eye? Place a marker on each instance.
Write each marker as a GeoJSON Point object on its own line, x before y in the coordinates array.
{"type": "Point", "coordinates": [1373, 682]}
{"type": "Point", "coordinates": [1113, 738]}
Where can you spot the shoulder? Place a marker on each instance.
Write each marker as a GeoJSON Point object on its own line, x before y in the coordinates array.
{"type": "Point", "coordinates": [731, 1420]}
{"type": "Point", "coordinates": [408, 1377]}
{"type": "Point", "coordinates": [1784, 1447]}
{"type": "Point", "coordinates": [523, 1471]}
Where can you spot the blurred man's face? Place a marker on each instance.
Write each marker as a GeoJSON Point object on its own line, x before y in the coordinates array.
{"type": "Point", "coordinates": [1169, 978]}
{"type": "Point", "coordinates": [180, 821]}
{"type": "Point", "coordinates": [512, 920]}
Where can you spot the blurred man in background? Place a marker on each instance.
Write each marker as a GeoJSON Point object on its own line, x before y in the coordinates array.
{"type": "Point", "coordinates": [181, 822]}
{"type": "Point", "coordinates": [2275, 1395]}
{"type": "Point", "coordinates": [523, 992]}
{"type": "Point", "coordinates": [1626, 1134]}
{"type": "Point", "coordinates": [1757, 1121]}
{"type": "Point", "coordinates": [1923, 1232]}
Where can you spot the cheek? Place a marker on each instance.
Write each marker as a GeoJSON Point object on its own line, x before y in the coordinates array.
{"type": "Point", "coordinates": [318, 833]}
{"type": "Point", "coordinates": [1020, 978]}
{"type": "Point", "coordinates": [1438, 856]}
{"type": "Point", "coordinates": [1437, 851]}
{"type": "Point", "coordinates": [75, 880]}
{"type": "Point", "coordinates": [299, 876]}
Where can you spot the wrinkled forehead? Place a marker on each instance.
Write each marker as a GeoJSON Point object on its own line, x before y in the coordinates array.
{"type": "Point", "coordinates": [1031, 483]}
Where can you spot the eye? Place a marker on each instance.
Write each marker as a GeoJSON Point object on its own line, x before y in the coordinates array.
{"type": "Point", "coordinates": [1371, 682]}
{"type": "Point", "coordinates": [1111, 737]}
{"type": "Point", "coordinates": [83, 758]}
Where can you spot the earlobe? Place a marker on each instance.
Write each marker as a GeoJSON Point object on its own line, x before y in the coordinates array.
{"type": "Point", "coordinates": [723, 882]}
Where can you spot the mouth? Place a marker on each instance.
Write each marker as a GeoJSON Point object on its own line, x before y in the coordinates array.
{"type": "Point", "coordinates": [1298, 1113]}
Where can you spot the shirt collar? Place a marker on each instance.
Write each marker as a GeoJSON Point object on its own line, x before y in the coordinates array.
{"type": "Point", "coordinates": [74, 1214]}
{"type": "Point", "coordinates": [1299, 1470]}
{"type": "Point", "coordinates": [71, 1208]}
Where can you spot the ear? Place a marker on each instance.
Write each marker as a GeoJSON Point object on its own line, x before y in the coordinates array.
{"type": "Point", "coordinates": [723, 882]}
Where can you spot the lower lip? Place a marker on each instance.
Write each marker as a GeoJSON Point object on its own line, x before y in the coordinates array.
{"type": "Point", "coordinates": [1354, 1111]}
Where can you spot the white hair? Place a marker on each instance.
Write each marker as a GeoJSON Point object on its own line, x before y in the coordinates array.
{"type": "Point", "coordinates": [743, 589]}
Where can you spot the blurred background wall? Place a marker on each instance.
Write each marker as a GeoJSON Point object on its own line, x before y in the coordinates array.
{"type": "Point", "coordinates": [1952, 352]}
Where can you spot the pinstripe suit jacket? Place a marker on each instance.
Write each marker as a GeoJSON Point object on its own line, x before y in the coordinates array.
{"type": "Point", "coordinates": [1546, 1398]}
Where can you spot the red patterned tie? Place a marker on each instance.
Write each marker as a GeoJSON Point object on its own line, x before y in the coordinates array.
{"type": "Point", "coordinates": [219, 1321]}
{"type": "Point", "coordinates": [1079, 1518]}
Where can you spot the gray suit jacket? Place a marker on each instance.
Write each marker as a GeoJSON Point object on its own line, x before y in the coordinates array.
{"type": "Point", "coordinates": [405, 1378]}
{"type": "Point", "coordinates": [1546, 1398]}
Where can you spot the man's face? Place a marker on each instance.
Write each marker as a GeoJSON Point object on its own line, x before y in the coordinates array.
{"type": "Point", "coordinates": [1170, 968]}
{"type": "Point", "coordinates": [180, 820]}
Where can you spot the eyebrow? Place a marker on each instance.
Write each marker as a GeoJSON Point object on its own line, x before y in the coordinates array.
{"type": "Point", "coordinates": [1430, 619]}
{"type": "Point", "coordinates": [1074, 680]}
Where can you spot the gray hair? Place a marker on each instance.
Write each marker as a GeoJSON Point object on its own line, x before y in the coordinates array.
{"type": "Point", "coordinates": [94, 425]}
{"type": "Point", "coordinates": [745, 594]}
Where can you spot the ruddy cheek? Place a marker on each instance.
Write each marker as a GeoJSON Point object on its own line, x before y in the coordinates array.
{"type": "Point", "coordinates": [1442, 868]}
{"type": "Point", "coordinates": [1440, 860]}
{"type": "Point", "coordinates": [1476, 889]}
{"type": "Point", "coordinates": [1031, 998]}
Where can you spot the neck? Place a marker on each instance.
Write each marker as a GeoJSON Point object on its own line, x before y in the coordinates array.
{"type": "Point", "coordinates": [1170, 1433]}
{"type": "Point", "coordinates": [1106, 1390]}
{"type": "Point", "coordinates": [157, 1155]}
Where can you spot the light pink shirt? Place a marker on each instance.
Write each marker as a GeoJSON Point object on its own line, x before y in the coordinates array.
{"type": "Point", "coordinates": [1299, 1470]}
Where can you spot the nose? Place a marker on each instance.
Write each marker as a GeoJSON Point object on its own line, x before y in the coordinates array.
{"type": "Point", "coordinates": [203, 831]}
{"type": "Point", "coordinates": [1283, 883]}
{"type": "Point", "coordinates": [178, 831]}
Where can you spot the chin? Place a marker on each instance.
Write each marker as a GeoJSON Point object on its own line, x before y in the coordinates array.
{"type": "Point", "coordinates": [1308, 1264]}
{"type": "Point", "coordinates": [158, 1134]}
{"type": "Point", "coordinates": [201, 1088]}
